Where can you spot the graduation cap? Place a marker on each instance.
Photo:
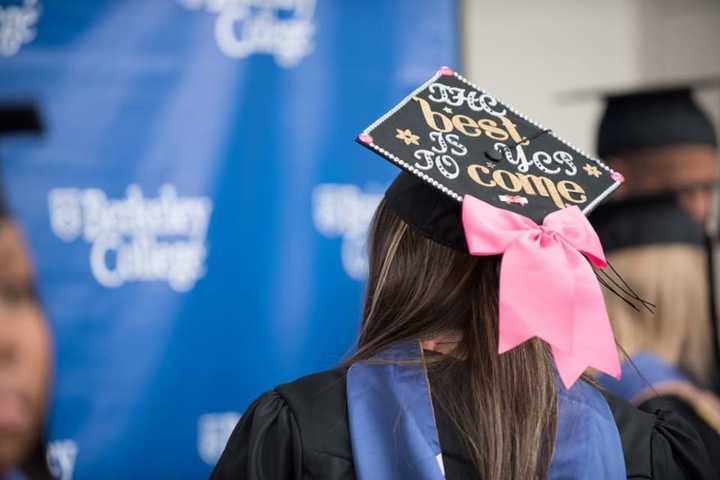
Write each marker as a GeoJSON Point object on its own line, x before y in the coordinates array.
{"type": "Point", "coordinates": [636, 122]}
{"type": "Point", "coordinates": [482, 178]}
{"type": "Point", "coordinates": [17, 118]}
{"type": "Point", "coordinates": [655, 116]}
{"type": "Point", "coordinates": [452, 137]}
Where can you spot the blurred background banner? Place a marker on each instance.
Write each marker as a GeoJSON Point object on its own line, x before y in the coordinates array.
{"type": "Point", "coordinates": [196, 206]}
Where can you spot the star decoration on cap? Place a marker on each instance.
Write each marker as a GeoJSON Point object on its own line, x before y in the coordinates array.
{"type": "Point", "coordinates": [592, 170]}
{"type": "Point", "coordinates": [407, 136]}
{"type": "Point", "coordinates": [490, 164]}
{"type": "Point", "coordinates": [448, 110]}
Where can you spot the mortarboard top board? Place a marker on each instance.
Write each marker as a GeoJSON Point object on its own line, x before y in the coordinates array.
{"type": "Point", "coordinates": [453, 139]}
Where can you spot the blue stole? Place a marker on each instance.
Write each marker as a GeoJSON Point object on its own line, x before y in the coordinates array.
{"type": "Point", "coordinates": [653, 371]}
{"type": "Point", "coordinates": [394, 436]}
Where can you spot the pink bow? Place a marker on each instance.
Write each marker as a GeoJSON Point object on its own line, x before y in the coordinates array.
{"type": "Point", "coordinates": [547, 289]}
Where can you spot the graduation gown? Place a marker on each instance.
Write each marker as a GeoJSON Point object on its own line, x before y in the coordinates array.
{"type": "Point", "coordinates": [678, 405]}
{"type": "Point", "coordinates": [299, 431]}
{"type": "Point", "coordinates": [647, 372]}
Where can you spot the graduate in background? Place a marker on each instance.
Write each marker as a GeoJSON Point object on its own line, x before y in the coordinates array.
{"type": "Point", "coordinates": [659, 249]}
{"type": "Point", "coordinates": [654, 236]}
{"type": "Point", "coordinates": [663, 142]}
{"type": "Point", "coordinates": [25, 346]}
{"type": "Point", "coordinates": [478, 323]}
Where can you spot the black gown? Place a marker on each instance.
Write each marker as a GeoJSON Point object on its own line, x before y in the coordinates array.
{"type": "Point", "coordinates": [674, 403]}
{"type": "Point", "coordinates": [299, 431]}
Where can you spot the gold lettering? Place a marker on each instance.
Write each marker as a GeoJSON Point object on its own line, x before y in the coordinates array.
{"type": "Point", "coordinates": [462, 122]}
{"type": "Point", "coordinates": [530, 184]}
{"type": "Point", "coordinates": [512, 130]}
{"type": "Point", "coordinates": [500, 175]}
{"type": "Point", "coordinates": [492, 130]}
{"type": "Point", "coordinates": [568, 188]}
{"type": "Point", "coordinates": [544, 186]}
{"type": "Point", "coordinates": [472, 172]}
{"type": "Point", "coordinates": [430, 116]}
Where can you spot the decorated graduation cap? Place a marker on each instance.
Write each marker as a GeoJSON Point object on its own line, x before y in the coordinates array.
{"type": "Point", "coordinates": [482, 178]}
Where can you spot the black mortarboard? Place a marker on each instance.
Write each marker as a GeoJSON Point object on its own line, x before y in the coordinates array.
{"type": "Point", "coordinates": [16, 118]}
{"type": "Point", "coordinates": [648, 220]}
{"type": "Point", "coordinates": [453, 139]}
{"type": "Point", "coordinates": [654, 117]}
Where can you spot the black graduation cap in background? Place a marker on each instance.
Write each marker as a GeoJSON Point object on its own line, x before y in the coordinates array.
{"type": "Point", "coordinates": [453, 139]}
{"type": "Point", "coordinates": [649, 117]}
{"type": "Point", "coordinates": [16, 118]}
{"type": "Point", "coordinates": [654, 117]}
{"type": "Point", "coordinates": [19, 118]}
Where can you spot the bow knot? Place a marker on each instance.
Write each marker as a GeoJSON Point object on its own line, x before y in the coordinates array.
{"type": "Point", "coordinates": [547, 287]}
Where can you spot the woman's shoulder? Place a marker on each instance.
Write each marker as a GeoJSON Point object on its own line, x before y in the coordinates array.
{"type": "Point", "coordinates": [295, 427]}
{"type": "Point", "coordinates": [659, 444]}
{"type": "Point", "coordinates": [315, 403]}
{"type": "Point", "coordinates": [328, 386]}
{"type": "Point", "coordinates": [319, 405]}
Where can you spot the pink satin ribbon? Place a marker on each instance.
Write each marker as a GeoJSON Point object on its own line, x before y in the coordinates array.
{"type": "Point", "coordinates": [547, 287]}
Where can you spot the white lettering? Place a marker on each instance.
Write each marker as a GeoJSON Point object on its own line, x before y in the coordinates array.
{"type": "Point", "coordinates": [136, 239]}
{"type": "Point", "coordinates": [16, 26]}
{"type": "Point", "coordinates": [282, 28]}
{"type": "Point", "coordinates": [61, 457]}
{"type": "Point", "coordinates": [346, 211]}
{"type": "Point", "coordinates": [456, 96]}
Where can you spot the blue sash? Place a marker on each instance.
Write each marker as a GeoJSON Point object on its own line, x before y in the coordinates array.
{"type": "Point", "coordinates": [394, 436]}
{"type": "Point", "coordinates": [653, 371]}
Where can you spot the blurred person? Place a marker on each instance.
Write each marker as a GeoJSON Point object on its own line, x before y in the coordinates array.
{"type": "Point", "coordinates": [659, 249]}
{"type": "Point", "coordinates": [662, 141]}
{"type": "Point", "coordinates": [666, 146]}
{"type": "Point", "coordinates": [25, 346]}
{"type": "Point", "coordinates": [24, 362]}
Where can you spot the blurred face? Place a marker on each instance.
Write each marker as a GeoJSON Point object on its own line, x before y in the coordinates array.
{"type": "Point", "coordinates": [690, 169]}
{"type": "Point", "coordinates": [697, 201]}
{"type": "Point", "coordinates": [24, 352]}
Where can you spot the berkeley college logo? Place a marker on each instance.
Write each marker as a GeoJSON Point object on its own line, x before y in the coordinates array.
{"type": "Point", "coordinates": [136, 238]}
{"type": "Point", "coordinates": [61, 456]}
{"type": "Point", "coordinates": [345, 211]}
{"type": "Point", "coordinates": [214, 430]}
{"type": "Point", "coordinates": [281, 28]}
{"type": "Point", "coordinates": [16, 26]}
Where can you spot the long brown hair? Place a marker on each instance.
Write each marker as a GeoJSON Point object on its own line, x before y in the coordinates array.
{"type": "Point", "coordinates": [504, 406]}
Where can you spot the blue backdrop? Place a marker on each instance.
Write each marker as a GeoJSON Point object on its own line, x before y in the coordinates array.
{"type": "Point", "coordinates": [197, 207]}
